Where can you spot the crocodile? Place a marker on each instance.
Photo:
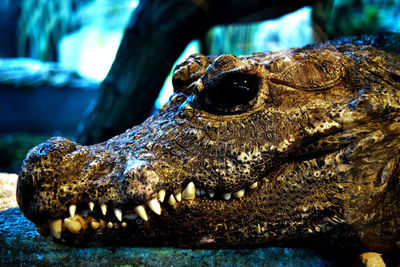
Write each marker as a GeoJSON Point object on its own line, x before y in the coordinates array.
{"type": "Point", "coordinates": [290, 148]}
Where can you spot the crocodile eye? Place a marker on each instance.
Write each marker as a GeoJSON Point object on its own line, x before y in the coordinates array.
{"type": "Point", "coordinates": [232, 93]}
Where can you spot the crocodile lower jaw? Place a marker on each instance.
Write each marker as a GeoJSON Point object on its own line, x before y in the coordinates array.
{"type": "Point", "coordinates": [96, 217]}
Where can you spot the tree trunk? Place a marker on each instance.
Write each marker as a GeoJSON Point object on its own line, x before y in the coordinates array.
{"type": "Point", "coordinates": [158, 32]}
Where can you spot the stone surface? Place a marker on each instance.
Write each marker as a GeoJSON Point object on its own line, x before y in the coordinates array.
{"type": "Point", "coordinates": [20, 244]}
{"type": "Point", "coordinates": [8, 185]}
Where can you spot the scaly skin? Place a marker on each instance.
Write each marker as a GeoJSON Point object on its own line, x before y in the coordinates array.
{"type": "Point", "coordinates": [311, 135]}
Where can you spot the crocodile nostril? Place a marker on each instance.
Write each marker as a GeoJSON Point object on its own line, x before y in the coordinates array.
{"type": "Point", "coordinates": [55, 147]}
{"type": "Point", "coordinates": [59, 145]}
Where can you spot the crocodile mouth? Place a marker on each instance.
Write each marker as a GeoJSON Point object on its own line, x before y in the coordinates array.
{"type": "Point", "coordinates": [95, 223]}
{"type": "Point", "coordinates": [92, 219]}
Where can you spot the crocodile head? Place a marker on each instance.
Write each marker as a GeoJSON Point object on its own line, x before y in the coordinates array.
{"type": "Point", "coordinates": [295, 148]}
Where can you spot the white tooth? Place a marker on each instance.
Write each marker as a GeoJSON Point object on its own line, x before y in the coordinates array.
{"type": "Point", "coordinates": [103, 208]}
{"type": "Point", "coordinates": [239, 194]}
{"type": "Point", "coordinates": [56, 228]}
{"type": "Point", "coordinates": [73, 226]}
{"type": "Point", "coordinates": [155, 206]}
{"type": "Point", "coordinates": [72, 210]}
{"type": "Point", "coordinates": [94, 225]}
{"type": "Point", "coordinates": [211, 194]}
{"type": "Point", "coordinates": [178, 197]}
{"type": "Point", "coordinates": [189, 192]}
{"type": "Point", "coordinates": [161, 195]}
{"type": "Point", "coordinates": [118, 214]}
{"type": "Point", "coordinates": [227, 196]}
{"type": "Point", "coordinates": [198, 192]}
{"type": "Point", "coordinates": [91, 206]}
{"type": "Point", "coordinates": [253, 185]}
{"type": "Point", "coordinates": [171, 200]}
{"type": "Point", "coordinates": [141, 212]}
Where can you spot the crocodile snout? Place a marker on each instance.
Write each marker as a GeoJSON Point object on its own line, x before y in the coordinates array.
{"type": "Point", "coordinates": [61, 182]}
{"type": "Point", "coordinates": [41, 168]}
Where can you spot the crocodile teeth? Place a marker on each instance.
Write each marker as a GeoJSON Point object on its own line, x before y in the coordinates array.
{"type": "Point", "coordinates": [123, 224]}
{"type": "Point", "coordinates": [155, 206]}
{"type": "Point", "coordinates": [252, 186]}
{"type": "Point", "coordinates": [118, 214]}
{"type": "Point", "coordinates": [178, 197]}
{"type": "Point", "coordinates": [103, 208]}
{"type": "Point", "coordinates": [109, 225]}
{"type": "Point", "coordinates": [91, 206]}
{"type": "Point", "coordinates": [73, 226]}
{"type": "Point", "coordinates": [94, 225]}
{"type": "Point", "coordinates": [239, 194]}
{"type": "Point", "coordinates": [141, 212]}
{"type": "Point", "coordinates": [56, 228]}
{"type": "Point", "coordinates": [211, 194]}
{"type": "Point", "coordinates": [171, 200]}
{"type": "Point", "coordinates": [161, 195]}
{"type": "Point", "coordinates": [227, 196]}
{"type": "Point", "coordinates": [198, 193]}
{"type": "Point", "coordinates": [189, 192]}
{"type": "Point", "coordinates": [72, 210]}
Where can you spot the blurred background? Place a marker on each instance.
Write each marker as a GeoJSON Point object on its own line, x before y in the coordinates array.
{"type": "Point", "coordinates": [54, 54]}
